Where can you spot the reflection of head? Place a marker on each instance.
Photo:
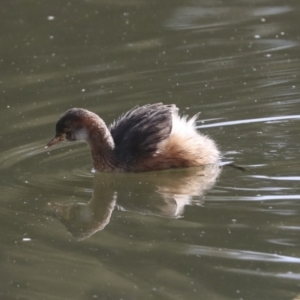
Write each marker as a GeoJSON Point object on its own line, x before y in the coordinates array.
{"type": "Point", "coordinates": [167, 193]}
{"type": "Point", "coordinates": [83, 220]}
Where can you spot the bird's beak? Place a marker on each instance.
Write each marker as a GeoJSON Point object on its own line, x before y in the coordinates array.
{"type": "Point", "coordinates": [57, 139]}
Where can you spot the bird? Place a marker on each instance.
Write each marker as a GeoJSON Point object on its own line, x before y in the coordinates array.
{"type": "Point", "coordinates": [151, 137]}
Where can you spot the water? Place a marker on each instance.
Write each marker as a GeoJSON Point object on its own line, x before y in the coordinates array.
{"type": "Point", "coordinates": [68, 233]}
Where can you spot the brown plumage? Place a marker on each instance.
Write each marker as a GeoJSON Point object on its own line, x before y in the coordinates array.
{"type": "Point", "coordinates": [146, 138]}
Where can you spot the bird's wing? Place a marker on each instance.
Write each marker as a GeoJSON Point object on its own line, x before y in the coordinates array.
{"type": "Point", "coordinates": [138, 132]}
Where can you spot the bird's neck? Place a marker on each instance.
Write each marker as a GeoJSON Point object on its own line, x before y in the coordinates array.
{"type": "Point", "coordinates": [102, 145]}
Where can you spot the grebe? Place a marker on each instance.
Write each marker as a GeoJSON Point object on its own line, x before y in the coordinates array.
{"type": "Point", "coordinates": [146, 138]}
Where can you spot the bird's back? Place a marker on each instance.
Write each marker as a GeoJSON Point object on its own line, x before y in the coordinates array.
{"type": "Point", "coordinates": [138, 133]}
{"type": "Point", "coordinates": [155, 137]}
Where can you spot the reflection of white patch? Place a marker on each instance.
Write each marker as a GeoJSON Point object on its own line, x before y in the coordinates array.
{"type": "Point", "coordinates": [81, 135]}
{"type": "Point", "coordinates": [181, 202]}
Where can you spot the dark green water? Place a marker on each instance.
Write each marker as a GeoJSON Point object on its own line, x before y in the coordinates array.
{"type": "Point", "coordinates": [161, 235]}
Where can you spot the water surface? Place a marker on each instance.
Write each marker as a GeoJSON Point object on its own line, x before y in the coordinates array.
{"type": "Point", "coordinates": [68, 233]}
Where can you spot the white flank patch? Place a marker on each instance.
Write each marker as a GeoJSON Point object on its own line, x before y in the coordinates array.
{"type": "Point", "coordinates": [184, 126]}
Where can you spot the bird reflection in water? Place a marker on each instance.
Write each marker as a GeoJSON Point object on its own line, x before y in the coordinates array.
{"type": "Point", "coordinates": [170, 192]}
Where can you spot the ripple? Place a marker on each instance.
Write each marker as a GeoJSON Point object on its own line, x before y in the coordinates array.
{"type": "Point", "coordinates": [238, 254]}
{"type": "Point", "coordinates": [190, 17]}
{"type": "Point", "coordinates": [72, 175]}
{"type": "Point", "coordinates": [15, 155]}
{"type": "Point", "coordinates": [260, 273]}
{"type": "Point", "coordinates": [281, 178]}
{"type": "Point", "coordinates": [257, 198]}
{"type": "Point", "coordinates": [248, 121]}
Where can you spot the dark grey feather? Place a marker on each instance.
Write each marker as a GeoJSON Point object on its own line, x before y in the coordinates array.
{"type": "Point", "coordinates": [138, 132]}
